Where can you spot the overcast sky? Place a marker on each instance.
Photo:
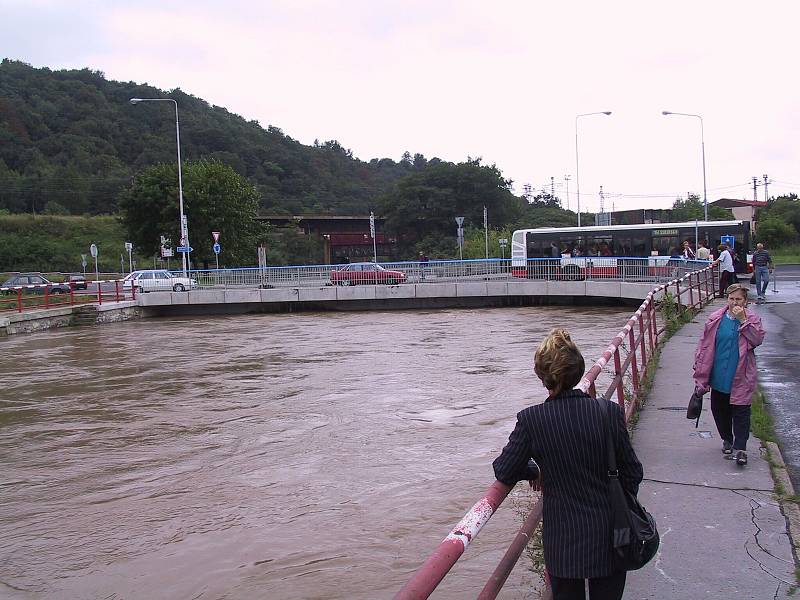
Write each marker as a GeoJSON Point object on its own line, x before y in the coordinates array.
{"type": "Point", "coordinates": [500, 80]}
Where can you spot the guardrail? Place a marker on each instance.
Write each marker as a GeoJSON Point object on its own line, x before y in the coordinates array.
{"type": "Point", "coordinates": [52, 295]}
{"type": "Point", "coordinates": [635, 269]}
{"type": "Point", "coordinates": [698, 287]}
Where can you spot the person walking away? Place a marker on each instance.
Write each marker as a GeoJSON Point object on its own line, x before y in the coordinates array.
{"type": "Point", "coordinates": [725, 364]}
{"type": "Point", "coordinates": [703, 253]}
{"type": "Point", "coordinates": [566, 436]}
{"type": "Point", "coordinates": [423, 262]}
{"type": "Point", "coordinates": [688, 253]}
{"type": "Point", "coordinates": [762, 265]}
{"type": "Point", "coordinates": [726, 270]}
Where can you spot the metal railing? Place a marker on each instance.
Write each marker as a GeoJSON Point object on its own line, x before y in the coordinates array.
{"type": "Point", "coordinates": [48, 295]}
{"type": "Point", "coordinates": [641, 334]}
{"type": "Point", "coordinates": [652, 269]}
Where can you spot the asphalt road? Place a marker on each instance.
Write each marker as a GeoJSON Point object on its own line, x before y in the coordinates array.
{"type": "Point", "coordinates": [777, 362]}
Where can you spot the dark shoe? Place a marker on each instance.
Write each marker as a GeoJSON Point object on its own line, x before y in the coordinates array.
{"type": "Point", "coordinates": [727, 447]}
{"type": "Point", "coordinates": [741, 457]}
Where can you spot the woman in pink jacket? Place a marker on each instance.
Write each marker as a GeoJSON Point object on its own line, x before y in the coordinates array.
{"type": "Point", "coordinates": [725, 363]}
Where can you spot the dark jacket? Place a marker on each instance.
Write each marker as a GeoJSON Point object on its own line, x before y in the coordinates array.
{"type": "Point", "coordinates": [566, 436]}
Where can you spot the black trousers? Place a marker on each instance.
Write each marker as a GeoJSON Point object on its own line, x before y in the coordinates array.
{"type": "Point", "coordinates": [725, 279]}
{"type": "Point", "coordinates": [600, 588]}
{"type": "Point", "coordinates": [733, 421]}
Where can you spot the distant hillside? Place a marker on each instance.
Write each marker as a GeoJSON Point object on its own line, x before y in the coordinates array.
{"type": "Point", "coordinates": [71, 140]}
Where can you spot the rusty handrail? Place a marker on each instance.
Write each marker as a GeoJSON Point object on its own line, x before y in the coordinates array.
{"type": "Point", "coordinates": [430, 574]}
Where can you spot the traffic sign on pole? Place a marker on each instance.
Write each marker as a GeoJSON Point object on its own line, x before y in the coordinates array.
{"type": "Point", "coordinates": [184, 249]}
{"type": "Point", "coordinates": [215, 235]}
{"type": "Point", "coordinates": [216, 248]}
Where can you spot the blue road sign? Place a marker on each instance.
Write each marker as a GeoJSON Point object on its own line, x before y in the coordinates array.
{"type": "Point", "coordinates": [184, 249]}
{"type": "Point", "coordinates": [216, 248]}
{"type": "Point", "coordinates": [727, 239]}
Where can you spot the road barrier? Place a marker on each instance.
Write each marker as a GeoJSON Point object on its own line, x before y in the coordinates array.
{"type": "Point", "coordinates": [698, 288]}
{"type": "Point", "coordinates": [22, 298]}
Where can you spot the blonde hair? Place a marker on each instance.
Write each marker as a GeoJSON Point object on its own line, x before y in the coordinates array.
{"type": "Point", "coordinates": [558, 362]}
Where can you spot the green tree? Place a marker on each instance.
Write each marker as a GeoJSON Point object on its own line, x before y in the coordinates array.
{"type": "Point", "coordinates": [215, 198]}
{"type": "Point", "coordinates": [693, 209]}
{"type": "Point", "coordinates": [424, 204]}
{"type": "Point", "coordinates": [773, 231]}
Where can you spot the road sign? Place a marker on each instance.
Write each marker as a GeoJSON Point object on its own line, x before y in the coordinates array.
{"type": "Point", "coordinates": [83, 260]}
{"type": "Point", "coordinates": [460, 221]}
{"type": "Point", "coordinates": [728, 239]}
{"type": "Point", "coordinates": [216, 248]}
{"type": "Point", "coordinates": [93, 250]}
{"type": "Point", "coordinates": [128, 246]}
{"type": "Point", "coordinates": [372, 225]}
{"type": "Point", "coordinates": [184, 249]}
{"type": "Point", "coordinates": [215, 235]}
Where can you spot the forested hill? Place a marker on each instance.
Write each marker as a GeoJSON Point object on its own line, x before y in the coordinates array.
{"type": "Point", "coordinates": [72, 140]}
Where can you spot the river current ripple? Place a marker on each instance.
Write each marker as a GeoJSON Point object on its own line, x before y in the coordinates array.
{"type": "Point", "coordinates": [290, 456]}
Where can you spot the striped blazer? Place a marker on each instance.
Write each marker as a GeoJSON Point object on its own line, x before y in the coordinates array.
{"type": "Point", "coordinates": [566, 436]}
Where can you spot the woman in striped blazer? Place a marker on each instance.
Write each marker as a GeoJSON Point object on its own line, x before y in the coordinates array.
{"type": "Point", "coordinates": [566, 436]}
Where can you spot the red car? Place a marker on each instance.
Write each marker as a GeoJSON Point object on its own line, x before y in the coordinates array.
{"type": "Point", "coordinates": [366, 273]}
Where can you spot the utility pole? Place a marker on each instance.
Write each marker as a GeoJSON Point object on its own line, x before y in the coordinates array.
{"type": "Point", "coordinates": [766, 183]}
{"type": "Point", "coordinates": [553, 188]}
{"type": "Point", "coordinates": [755, 193]}
{"type": "Point", "coordinates": [566, 183]}
{"type": "Point", "coordinates": [601, 200]}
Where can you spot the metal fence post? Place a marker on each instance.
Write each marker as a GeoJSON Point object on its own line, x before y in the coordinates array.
{"type": "Point", "coordinates": [634, 366]}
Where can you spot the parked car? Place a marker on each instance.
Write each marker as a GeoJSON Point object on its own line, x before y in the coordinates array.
{"type": "Point", "coordinates": [365, 273]}
{"type": "Point", "coordinates": [78, 281]}
{"type": "Point", "coordinates": [35, 279]}
{"type": "Point", "coordinates": [157, 281]}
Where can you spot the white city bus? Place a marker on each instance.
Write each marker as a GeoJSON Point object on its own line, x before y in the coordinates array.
{"type": "Point", "coordinates": [574, 253]}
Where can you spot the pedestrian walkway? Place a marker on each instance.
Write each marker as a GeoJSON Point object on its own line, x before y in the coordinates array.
{"type": "Point", "coordinates": [723, 533]}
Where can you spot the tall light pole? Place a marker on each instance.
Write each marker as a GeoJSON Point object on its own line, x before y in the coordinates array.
{"type": "Point", "coordinates": [703, 151]}
{"type": "Point", "coordinates": [577, 171]}
{"type": "Point", "coordinates": [184, 232]}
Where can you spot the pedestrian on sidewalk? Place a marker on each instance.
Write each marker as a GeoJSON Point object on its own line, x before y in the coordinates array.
{"type": "Point", "coordinates": [725, 363]}
{"type": "Point", "coordinates": [762, 265]}
{"type": "Point", "coordinates": [566, 436]}
{"type": "Point", "coordinates": [726, 269]}
{"type": "Point", "coordinates": [703, 253]}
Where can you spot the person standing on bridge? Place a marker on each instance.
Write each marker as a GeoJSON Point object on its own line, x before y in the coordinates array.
{"type": "Point", "coordinates": [566, 437]}
{"type": "Point", "coordinates": [726, 269]}
{"type": "Point", "coordinates": [725, 363]}
{"type": "Point", "coordinates": [762, 265]}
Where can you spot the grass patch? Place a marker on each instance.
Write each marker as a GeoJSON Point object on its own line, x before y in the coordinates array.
{"type": "Point", "coordinates": [783, 255]}
{"type": "Point", "coordinates": [761, 423]}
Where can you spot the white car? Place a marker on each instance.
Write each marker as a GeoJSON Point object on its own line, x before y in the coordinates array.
{"type": "Point", "coordinates": [157, 281]}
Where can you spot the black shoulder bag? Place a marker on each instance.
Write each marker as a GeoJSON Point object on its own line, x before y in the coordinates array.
{"type": "Point", "coordinates": [635, 538]}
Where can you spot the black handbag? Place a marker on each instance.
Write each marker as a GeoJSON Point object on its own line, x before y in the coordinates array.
{"type": "Point", "coordinates": [695, 406]}
{"type": "Point", "coordinates": [634, 537]}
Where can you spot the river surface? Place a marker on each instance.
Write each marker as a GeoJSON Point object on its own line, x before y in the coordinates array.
{"type": "Point", "coordinates": [291, 456]}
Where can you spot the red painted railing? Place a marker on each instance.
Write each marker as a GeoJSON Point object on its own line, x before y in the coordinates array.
{"type": "Point", "coordinates": [41, 296]}
{"type": "Point", "coordinates": [698, 288]}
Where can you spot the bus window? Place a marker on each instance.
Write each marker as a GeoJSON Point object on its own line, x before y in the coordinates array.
{"type": "Point", "coordinates": [599, 245]}
{"type": "Point", "coordinates": [664, 244]}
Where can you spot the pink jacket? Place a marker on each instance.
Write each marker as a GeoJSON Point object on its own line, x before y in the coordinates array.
{"type": "Point", "coordinates": [751, 334]}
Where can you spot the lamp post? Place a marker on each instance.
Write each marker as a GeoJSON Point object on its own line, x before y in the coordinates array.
{"type": "Point", "coordinates": [184, 233]}
{"type": "Point", "coordinates": [577, 173]}
{"type": "Point", "coordinates": [702, 150]}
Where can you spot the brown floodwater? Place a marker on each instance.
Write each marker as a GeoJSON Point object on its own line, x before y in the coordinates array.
{"type": "Point", "coordinates": [289, 456]}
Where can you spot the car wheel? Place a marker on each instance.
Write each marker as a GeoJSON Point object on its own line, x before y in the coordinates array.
{"type": "Point", "coordinates": [178, 287]}
{"type": "Point", "coordinates": [56, 291]}
{"type": "Point", "coordinates": [139, 289]}
{"type": "Point", "coordinates": [346, 282]}
{"type": "Point", "coordinates": [391, 281]}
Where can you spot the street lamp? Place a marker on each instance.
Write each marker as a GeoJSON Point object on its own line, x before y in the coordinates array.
{"type": "Point", "coordinates": [577, 175]}
{"type": "Point", "coordinates": [184, 230]}
{"type": "Point", "coordinates": [703, 151]}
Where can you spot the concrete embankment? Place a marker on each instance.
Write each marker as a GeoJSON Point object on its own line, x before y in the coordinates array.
{"type": "Point", "coordinates": [64, 316]}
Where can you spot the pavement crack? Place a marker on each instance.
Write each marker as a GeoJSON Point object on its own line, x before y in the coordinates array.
{"type": "Point", "coordinates": [709, 487]}
{"type": "Point", "coordinates": [755, 505]}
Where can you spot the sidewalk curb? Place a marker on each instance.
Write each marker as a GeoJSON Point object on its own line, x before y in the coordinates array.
{"type": "Point", "coordinates": [790, 510]}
